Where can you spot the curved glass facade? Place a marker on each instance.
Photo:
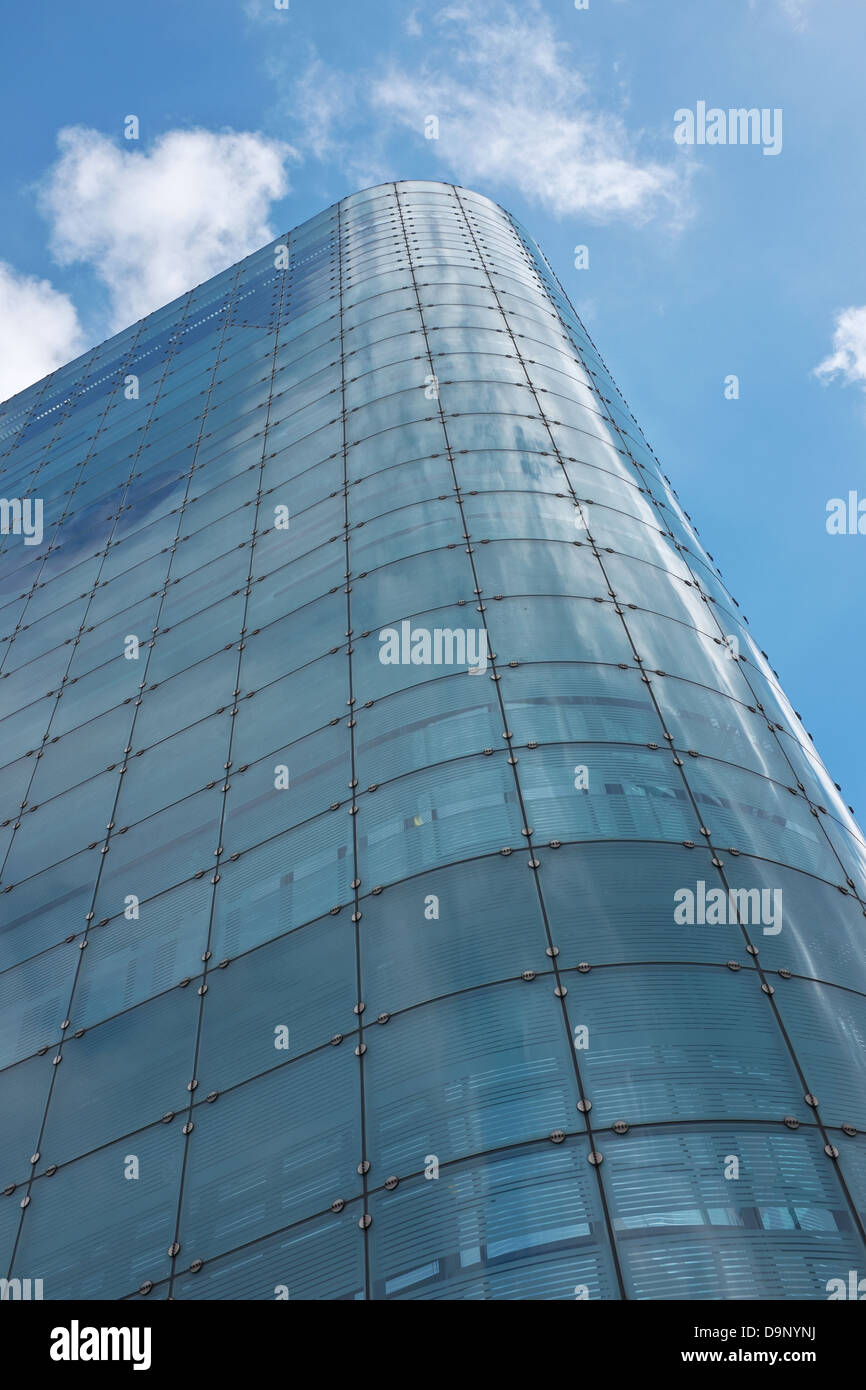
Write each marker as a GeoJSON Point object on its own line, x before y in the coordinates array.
{"type": "Point", "coordinates": [415, 882]}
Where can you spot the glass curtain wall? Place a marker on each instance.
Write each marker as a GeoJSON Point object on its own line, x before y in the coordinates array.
{"type": "Point", "coordinates": [415, 882]}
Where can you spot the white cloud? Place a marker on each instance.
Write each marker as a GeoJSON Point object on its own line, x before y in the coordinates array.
{"type": "Point", "coordinates": [514, 112]}
{"type": "Point", "coordinates": [848, 357]}
{"type": "Point", "coordinates": [40, 330]}
{"type": "Point", "coordinates": [152, 223]}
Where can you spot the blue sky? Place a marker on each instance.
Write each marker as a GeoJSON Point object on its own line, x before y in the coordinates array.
{"type": "Point", "coordinates": [704, 261]}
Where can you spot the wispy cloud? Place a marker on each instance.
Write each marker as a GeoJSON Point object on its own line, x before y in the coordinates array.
{"type": "Point", "coordinates": [266, 12]}
{"type": "Point", "coordinates": [323, 102]}
{"type": "Point", "coordinates": [329, 115]}
{"type": "Point", "coordinates": [848, 358]}
{"type": "Point", "coordinates": [514, 113]}
{"type": "Point", "coordinates": [797, 11]}
{"type": "Point", "coordinates": [40, 330]}
{"type": "Point", "coordinates": [154, 222]}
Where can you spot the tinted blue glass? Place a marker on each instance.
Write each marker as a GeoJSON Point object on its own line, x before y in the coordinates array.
{"type": "Point", "coordinates": [513, 1225]}
{"type": "Point", "coordinates": [777, 1232]}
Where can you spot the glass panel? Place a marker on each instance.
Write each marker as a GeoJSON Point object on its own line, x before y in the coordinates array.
{"type": "Point", "coordinates": [122, 1228]}
{"type": "Point", "coordinates": [519, 1224]}
{"type": "Point", "coordinates": [468, 1073]}
{"type": "Point", "coordinates": [277, 1002]}
{"type": "Point", "coordinates": [319, 1259]}
{"type": "Point", "coordinates": [686, 1232]}
{"type": "Point", "coordinates": [715, 1048]}
{"type": "Point", "coordinates": [121, 1075]}
{"type": "Point", "coordinates": [272, 1152]}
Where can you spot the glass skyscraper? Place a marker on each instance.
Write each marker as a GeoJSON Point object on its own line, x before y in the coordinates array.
{"type": "Point", "coordinates": [415, 884]}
